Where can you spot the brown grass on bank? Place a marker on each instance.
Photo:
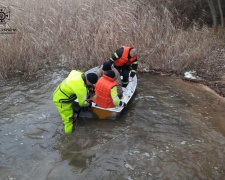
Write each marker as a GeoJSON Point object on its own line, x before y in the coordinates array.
{"type": "Point", "coordinates": [80, 34]}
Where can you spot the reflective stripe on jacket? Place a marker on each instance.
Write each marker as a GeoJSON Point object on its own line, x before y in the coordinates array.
{"type": "Point", "coordinates": [124, 58]}
{"type": "Point", "coordinates": [71, 88]}
{"type": "Point", "coordinates": [102, 89]}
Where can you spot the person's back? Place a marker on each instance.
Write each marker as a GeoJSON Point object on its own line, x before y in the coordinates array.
{"type": "Point", "coordinates": [106, 91]}
{"type": "Point", "coordinates": [107, 66]}
{"type": "Point", "coordinates": [102, 91]}
{"type": "Point", "coordinates": [73, 85]}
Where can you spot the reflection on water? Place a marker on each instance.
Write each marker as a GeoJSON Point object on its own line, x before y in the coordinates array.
{"type": "Point", "coordinates": [170, 130]}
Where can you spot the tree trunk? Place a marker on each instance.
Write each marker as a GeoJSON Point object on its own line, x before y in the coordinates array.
{"type": "Point", "coordinates": [213, 12]}
{"type": "Point", "coordinates": [221, 12]}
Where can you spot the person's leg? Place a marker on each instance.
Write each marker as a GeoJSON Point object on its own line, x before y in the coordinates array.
{"type": "Point", "coordinates": [65, 110]}
{"type": "Point", "coordinates": [119, 68]}
{"type": "Point", "coordinates": [125, 73]}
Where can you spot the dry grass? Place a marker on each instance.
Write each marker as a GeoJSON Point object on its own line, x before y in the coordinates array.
{"type": "Point", "coordinates": [80, 34]}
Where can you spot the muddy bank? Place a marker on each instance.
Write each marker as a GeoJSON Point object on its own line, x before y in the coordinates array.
{"type": "Point", "coordinates": [217, 86]}
{"type": "Point", "coordinates": [211, 69]}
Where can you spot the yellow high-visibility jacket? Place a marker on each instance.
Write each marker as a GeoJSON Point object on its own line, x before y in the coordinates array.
{"type": "Point", "coordinates": [73, 87]}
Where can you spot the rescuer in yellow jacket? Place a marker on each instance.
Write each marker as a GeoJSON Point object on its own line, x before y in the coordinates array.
{"type": "Point", "coordinates": [73, 87]}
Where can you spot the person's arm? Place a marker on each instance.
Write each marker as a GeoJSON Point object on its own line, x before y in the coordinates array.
{"type": "Point", "coordinates": [82, 97]}
{"type": "Point", "coordinates": [116, 55]}
{"type": "Point", "coordinates": [114, 95]}
{"type": "Point", "coordinates": [116, 100]}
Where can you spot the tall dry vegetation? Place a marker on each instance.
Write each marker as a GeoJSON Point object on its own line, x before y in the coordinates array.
{"type": "Point", "coordinates": [80, 34]}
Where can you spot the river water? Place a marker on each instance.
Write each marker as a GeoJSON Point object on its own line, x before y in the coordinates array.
{"type": "Point", "coordinates": [171, 129]}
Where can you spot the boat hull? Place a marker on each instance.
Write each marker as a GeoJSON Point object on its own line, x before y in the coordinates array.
{"type": "Point", "coordinates": [97, 113]}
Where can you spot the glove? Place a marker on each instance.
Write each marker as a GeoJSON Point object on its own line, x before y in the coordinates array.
{"type": "Point", "coordinates": [90, 103]}
{"type": "Point", "coordinates": [123, 104]}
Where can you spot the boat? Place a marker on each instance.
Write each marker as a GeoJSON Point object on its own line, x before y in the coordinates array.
{"type": "Point", "coordinates": [97, 112]}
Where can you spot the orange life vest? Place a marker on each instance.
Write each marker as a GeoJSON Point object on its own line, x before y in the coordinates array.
{"type": "Point", "coordinates": [124, 58]}
{"type": "Point", "coordinates": [102, 89]}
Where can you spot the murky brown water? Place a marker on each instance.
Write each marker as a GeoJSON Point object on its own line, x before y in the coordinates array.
{"type": "Point", "coordinates": [170, 130]}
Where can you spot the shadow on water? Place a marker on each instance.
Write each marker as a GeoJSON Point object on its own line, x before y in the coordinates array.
{"type": "Point", "coordinates": [170, 130]}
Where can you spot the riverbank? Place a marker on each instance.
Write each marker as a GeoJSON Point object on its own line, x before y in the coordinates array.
{"type": "Point", "coordinates": [88, 35]}
{"type": "Point", "coordinates": [208, 69]}
{"type": "Point", "coordinates": [216, 85]}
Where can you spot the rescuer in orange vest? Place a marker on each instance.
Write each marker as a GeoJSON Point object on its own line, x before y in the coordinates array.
{"type": "Point", "coordinates": [125, 60]}
{"type": "Point", "coordinates": [106, 92]}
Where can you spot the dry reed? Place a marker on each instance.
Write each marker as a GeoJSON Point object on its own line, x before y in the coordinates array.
{"type": "Point", "coordinates": [80, 34]}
